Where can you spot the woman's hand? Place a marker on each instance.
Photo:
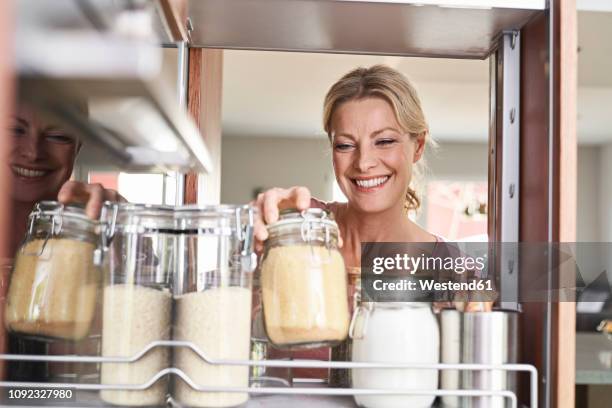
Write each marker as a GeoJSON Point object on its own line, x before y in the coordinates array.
{"type": "Point", "coordinates": [269, 205]}
{"type": "Point", "coordinates": [92, 195]}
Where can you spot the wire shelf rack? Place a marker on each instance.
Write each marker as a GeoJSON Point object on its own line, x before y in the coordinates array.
{"type": "Point", "coordinates": [318, 389]}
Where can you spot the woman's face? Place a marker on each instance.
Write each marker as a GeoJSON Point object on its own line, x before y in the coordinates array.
{"type": "Point", "coordinates": [372, 156]}
{"type": "Point", "coordinates": [42, 157]}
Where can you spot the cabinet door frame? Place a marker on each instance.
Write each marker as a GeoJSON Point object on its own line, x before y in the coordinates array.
{"type": "Point", "coordinates": [547, 189]}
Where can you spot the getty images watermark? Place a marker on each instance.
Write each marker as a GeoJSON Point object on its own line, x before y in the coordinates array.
{"type": "Point", "coordinates": [516, 272]}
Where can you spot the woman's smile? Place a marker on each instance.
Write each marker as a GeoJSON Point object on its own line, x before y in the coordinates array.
{"type": "Point", "coordinates": [29, 173]}
{"type": "Point", "coordinates": [370, 184]}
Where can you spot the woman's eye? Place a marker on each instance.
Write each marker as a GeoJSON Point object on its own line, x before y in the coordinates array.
{"type": "Point", "coordinates": [343, 146]}
{"type": "Point", "coordinates": [59, 138]}
{"type": "Point", "coordinates": [18, 131]}
{"type": "Point", "coordinates": [385, 142]}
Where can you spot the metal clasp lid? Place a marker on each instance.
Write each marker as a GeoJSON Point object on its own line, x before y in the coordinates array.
{"type": "Point", "coordinates": [307, 229]}
{"type": "Point", "coordinates": [245, 235]}
{"type": "Point", "coordinates": [38, 213]}
{"type": "Point", "coordinates": [108, 231]}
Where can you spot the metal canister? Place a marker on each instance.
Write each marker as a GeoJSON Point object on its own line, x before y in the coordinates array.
{"type": "Point", "coordinates": [489, 338]}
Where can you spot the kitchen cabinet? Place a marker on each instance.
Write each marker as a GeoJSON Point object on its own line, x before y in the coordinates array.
{"type": "Point", "coordinates": [132, 117]}
{"type": "Point", "coordinates": [531, 45]}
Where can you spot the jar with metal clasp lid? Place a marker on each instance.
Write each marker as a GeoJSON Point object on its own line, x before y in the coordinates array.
{"type": "Point", "coordinates": [56, 275]}
{"type": "Point", "coordinates": [303, 281]}
{"type": "Point", "coordinates": [180, 273]}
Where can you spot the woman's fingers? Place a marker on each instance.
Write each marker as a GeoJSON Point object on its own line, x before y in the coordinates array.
{"type": "Point", "coordinates": [259, 227]}
{"type": "Point", "coordinates": [271, 201]}
{"type": "Point", "coordinates": [302, 197]}
{"type": "Point", "coordinates": [92, 195]}
{"type": "Point", "coordinates": [93, 205]}
{"type": "Point", "coordinates": [277, 199]}
{"type": "Point", "coordinates": [269, 205]}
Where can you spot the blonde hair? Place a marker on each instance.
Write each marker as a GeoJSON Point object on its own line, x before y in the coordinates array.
{"type": "Point", "coordinates": [383, 82]}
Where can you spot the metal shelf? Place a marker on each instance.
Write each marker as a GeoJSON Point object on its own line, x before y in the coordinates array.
{"type": "Point", "coordinates": [134, 119]}
{"type": "Point", "coordinates": [101, 15]}
{"type": "Point", "coordinates": [311, 391]}
{"type": "Point", "coordinates": [425, 28]}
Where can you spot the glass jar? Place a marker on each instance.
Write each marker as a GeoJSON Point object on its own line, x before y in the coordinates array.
{"type": "Point", "coordinates": [215, 263]}
{"type": "Point", "coordinates": [303, 280]}
{"type": "Point", "coordinates": [139, 261]}
{"type": "Point", "coordinates": [395, 332]}
{"type": "Point", "coordinates": [56, 275]}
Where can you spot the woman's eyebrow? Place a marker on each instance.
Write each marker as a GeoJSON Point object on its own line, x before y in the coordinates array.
{"type": "Point", "coordinates": [22, 121]}
{"type": "Point", "coordinates": [379, 131]}
{"type": "Point", "coordinates": [344, 135]}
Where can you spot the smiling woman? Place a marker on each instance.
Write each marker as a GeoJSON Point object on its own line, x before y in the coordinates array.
{"type": "Point", "coordinates": [378, 132]}
{"type": "Point", "coordinates": [388, 99]}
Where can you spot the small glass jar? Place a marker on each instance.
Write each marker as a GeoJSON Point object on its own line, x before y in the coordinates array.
{"type": "Point", "coordinates": [303, 280]}
{"type": "Point", "coordinates": [395, 332]}
{"type": "Point", "coordinates": [56, 275]}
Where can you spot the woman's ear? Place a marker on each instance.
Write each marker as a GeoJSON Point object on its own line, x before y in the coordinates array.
{"type": "Point", "coordinates": [419, 143]}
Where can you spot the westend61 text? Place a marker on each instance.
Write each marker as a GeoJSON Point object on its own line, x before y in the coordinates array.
{"type": "Point", "coordinates": [432, 285]}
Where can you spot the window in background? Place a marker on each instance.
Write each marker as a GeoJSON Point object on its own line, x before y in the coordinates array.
{"type": "Point", "coordinates": [457, 210]}
{"type": "Point", "coordinates": [138, 188]}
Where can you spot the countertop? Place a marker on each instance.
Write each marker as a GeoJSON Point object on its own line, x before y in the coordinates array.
{"type": "Point", "coordinates": [593, 359]}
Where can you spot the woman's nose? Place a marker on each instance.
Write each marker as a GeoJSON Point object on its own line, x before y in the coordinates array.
{"type": "Point", "coordinates": [366, 159]}
{"type": "Point", "coordinates": [31, 146]}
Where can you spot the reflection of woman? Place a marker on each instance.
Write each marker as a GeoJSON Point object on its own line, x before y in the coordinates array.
{"type": "Point", "coordinates": [41, 163]}
{"type": "Point", "coordinates": [378, 132]}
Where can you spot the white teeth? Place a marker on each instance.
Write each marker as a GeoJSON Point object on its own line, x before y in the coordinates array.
{"type": "Point", "coordinates": [28, 172]}
{"type": "Point", "coordinates": [371, 182]}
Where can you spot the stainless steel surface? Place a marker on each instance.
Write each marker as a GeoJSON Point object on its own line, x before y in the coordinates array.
{"type": "Point", "coordinates": [450, 352]}
{"type": "Point", "coordinates": [182, 86]}
{"type": "Point", "coordinates": [458, 29]}
{"type": "Point", "coordinates": [510, 51]}
{"type": "Point", "coordinates": [489, 338]}
{"type": "Point", "coordinates": [492, 209]}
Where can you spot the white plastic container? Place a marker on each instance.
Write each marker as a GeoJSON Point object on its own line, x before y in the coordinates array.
{"type": "Point", "coordinates": [395, 332]}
